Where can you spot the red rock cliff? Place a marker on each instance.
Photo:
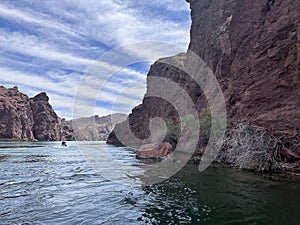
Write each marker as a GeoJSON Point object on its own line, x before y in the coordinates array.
{"type": "Point", "coordinates": [46, 126]}
{"type": "Point", "coordinates": [16, 118]}
{"type": "Point", "coordinates": [22, 118]}
{"type": "Point", "coordinates": [253, 49]}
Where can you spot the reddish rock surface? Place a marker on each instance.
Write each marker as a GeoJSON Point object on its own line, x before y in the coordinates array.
{"type": "Point", "coordinates": [152, 107]}
{"type": "Point", "coordinates": [253, 49]}
{"type": "Point", "coordinates": [16, 119]}
{"type": "Point", "coordinates": [46, 125]}
{"type": "Point", "coordinates": [154, 151]}
{"type": "Point", "coordinates": [24, 118]}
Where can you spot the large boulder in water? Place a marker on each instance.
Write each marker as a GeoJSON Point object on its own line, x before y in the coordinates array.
{"type": "Point", "coordinates": [154, 151]}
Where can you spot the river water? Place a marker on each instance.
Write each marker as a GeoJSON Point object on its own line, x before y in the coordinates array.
{"type": "Point", "coordinates": [44, 183]}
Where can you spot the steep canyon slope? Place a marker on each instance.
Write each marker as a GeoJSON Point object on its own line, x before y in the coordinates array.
{"type": "Point", "coordinates": [253, 49]}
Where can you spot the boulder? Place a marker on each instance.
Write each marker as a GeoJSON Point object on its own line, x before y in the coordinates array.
{"type": "Point", "coordinates": [154, 151]}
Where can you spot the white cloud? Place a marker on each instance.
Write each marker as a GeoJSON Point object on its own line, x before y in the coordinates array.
{"type": "Point", "coordinates": [64, 38]}
{"type": "Point", "coordinates": [63, 92]}
{"type": "Point", "coordinates": [35, 47]}
{"type": "Point", "coordinates": [120, 22]}
{"type": "Point", "coordinates": [36, 82]}
{"type": "Point", "coordinates": [35, 18]}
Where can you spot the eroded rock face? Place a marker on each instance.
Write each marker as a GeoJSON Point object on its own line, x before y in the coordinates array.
{"type": "Point", "coordinates": [253, 49]}
{"type": "Point", "coordinates": [46, 125]}
{"type": "Point", "coordinates": [154, 151]}
{"type": "Point", "coordinates": [16, 119]}
{"type": "Point", "coordinates": [67, 133]}
{"type": "Point", "coordinates": [170, 70]}
{"type": "Point", "coordinates": [22, 118]}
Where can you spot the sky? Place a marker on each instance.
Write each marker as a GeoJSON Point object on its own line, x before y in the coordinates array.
{"type": "Point", "coordinates": [62, 47]}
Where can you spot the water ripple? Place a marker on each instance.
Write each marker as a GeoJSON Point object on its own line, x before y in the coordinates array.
{"type": "Point", "coordinates": [53, 185]}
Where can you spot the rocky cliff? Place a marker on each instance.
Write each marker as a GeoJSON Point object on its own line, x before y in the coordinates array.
{"type": "Point", "coordinates": [24, 118]}
{"type": "Point", "coordinates": [16, 117]}
{"type": "Point", "coordinates": [253, 49]}
{"type": "Point", "coordinates": [67, 130]}
{"type": "Point", "coordinates": [151, 107]}
{"type": "Point", "coordinates": [46, 123]}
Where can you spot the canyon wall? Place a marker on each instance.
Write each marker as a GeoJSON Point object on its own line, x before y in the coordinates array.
{"type": "Point", "coordinates": [16, 117]}
{"type": "Point", "coordinates": [24, 118]}
{"type": "Point", "coordinates": [253, 49]}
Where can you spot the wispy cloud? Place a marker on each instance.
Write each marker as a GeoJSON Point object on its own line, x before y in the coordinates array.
{"type": "Point", "coordinates": [35, 47]}
{"type": "Point", "coordinates": [32, 17]}
{"type": "Point", "coordinates": [50, 46]}
{"type": "Point", "coordinates": [63, 91]}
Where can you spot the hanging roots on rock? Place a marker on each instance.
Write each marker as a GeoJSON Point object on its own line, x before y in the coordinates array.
{"type": "Point", "coordinates": [250, 147]}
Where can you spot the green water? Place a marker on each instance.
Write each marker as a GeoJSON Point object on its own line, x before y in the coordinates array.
{"type": "Point", "coordinates": [227, 196]}
{"type": "Point", "coordinates": [43, 183]}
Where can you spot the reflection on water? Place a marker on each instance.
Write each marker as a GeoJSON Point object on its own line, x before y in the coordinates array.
{"type": "Point", "coordinates": [50, 184]}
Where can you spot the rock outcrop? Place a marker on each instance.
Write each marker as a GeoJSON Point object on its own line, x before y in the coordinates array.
{"type": "Point", "coordinates": [46, 123]}
{"type": "Point", "coordinates": [24, 118]}
{"type": "Point", "coordinates": [67, 130]}
{"type": "Point", "coordinates": [154, 151]}
{"type": "Point", "coordinates": [151, 107]}
{"type": "Point", "coordinates": [253, 49]}
{"type": "Point", "coordinates": [16, 118]}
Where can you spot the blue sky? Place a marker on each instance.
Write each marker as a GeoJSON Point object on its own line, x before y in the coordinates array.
{"type": "Point", "coordinates": [50, 45]}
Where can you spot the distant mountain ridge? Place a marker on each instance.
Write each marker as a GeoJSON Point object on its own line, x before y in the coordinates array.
{"type": "Point", "coordinates": [95, 128]}
{"type": "Point", "coordinates": [24, 118]}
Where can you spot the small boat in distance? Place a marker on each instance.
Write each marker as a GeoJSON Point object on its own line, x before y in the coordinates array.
{"type": "Point", "coordinates": [63, 143]}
